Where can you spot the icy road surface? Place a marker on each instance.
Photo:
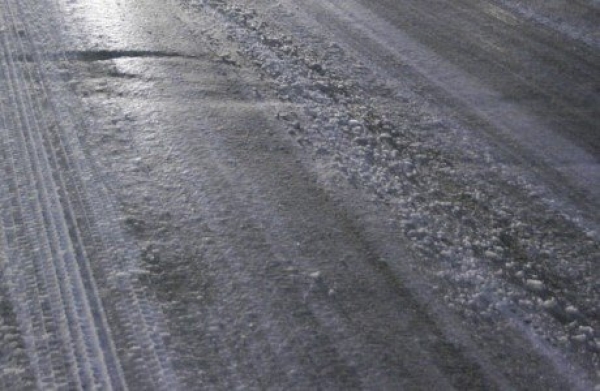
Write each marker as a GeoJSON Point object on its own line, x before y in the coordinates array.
{"type": "Point", "coordinates": [299, 195]}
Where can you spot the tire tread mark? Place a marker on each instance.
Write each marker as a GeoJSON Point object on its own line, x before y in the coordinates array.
{"type": "Point", "coordinates": [70, 308]}
{"type": "Point", "coordinates": [24, 219]}
{"type": "Point", "coordinates": [141, 320]}
{"type": "Point", "coordinates": [83, 234]}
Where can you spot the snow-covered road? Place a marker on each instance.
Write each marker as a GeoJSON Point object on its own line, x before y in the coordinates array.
{"type": "Point", "coordinates": [332, 194]}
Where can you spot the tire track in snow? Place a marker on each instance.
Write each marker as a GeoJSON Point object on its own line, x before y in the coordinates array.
{"type": "Point", "coordinates": [58, 293]}
{"type": "Point", "coordinates": [138, 326]}
{"type": "Point", "coordinates": [49, 231]}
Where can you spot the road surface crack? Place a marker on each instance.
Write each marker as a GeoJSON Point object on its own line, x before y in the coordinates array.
{"type": "Point", "coordinates": [105, 55]}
